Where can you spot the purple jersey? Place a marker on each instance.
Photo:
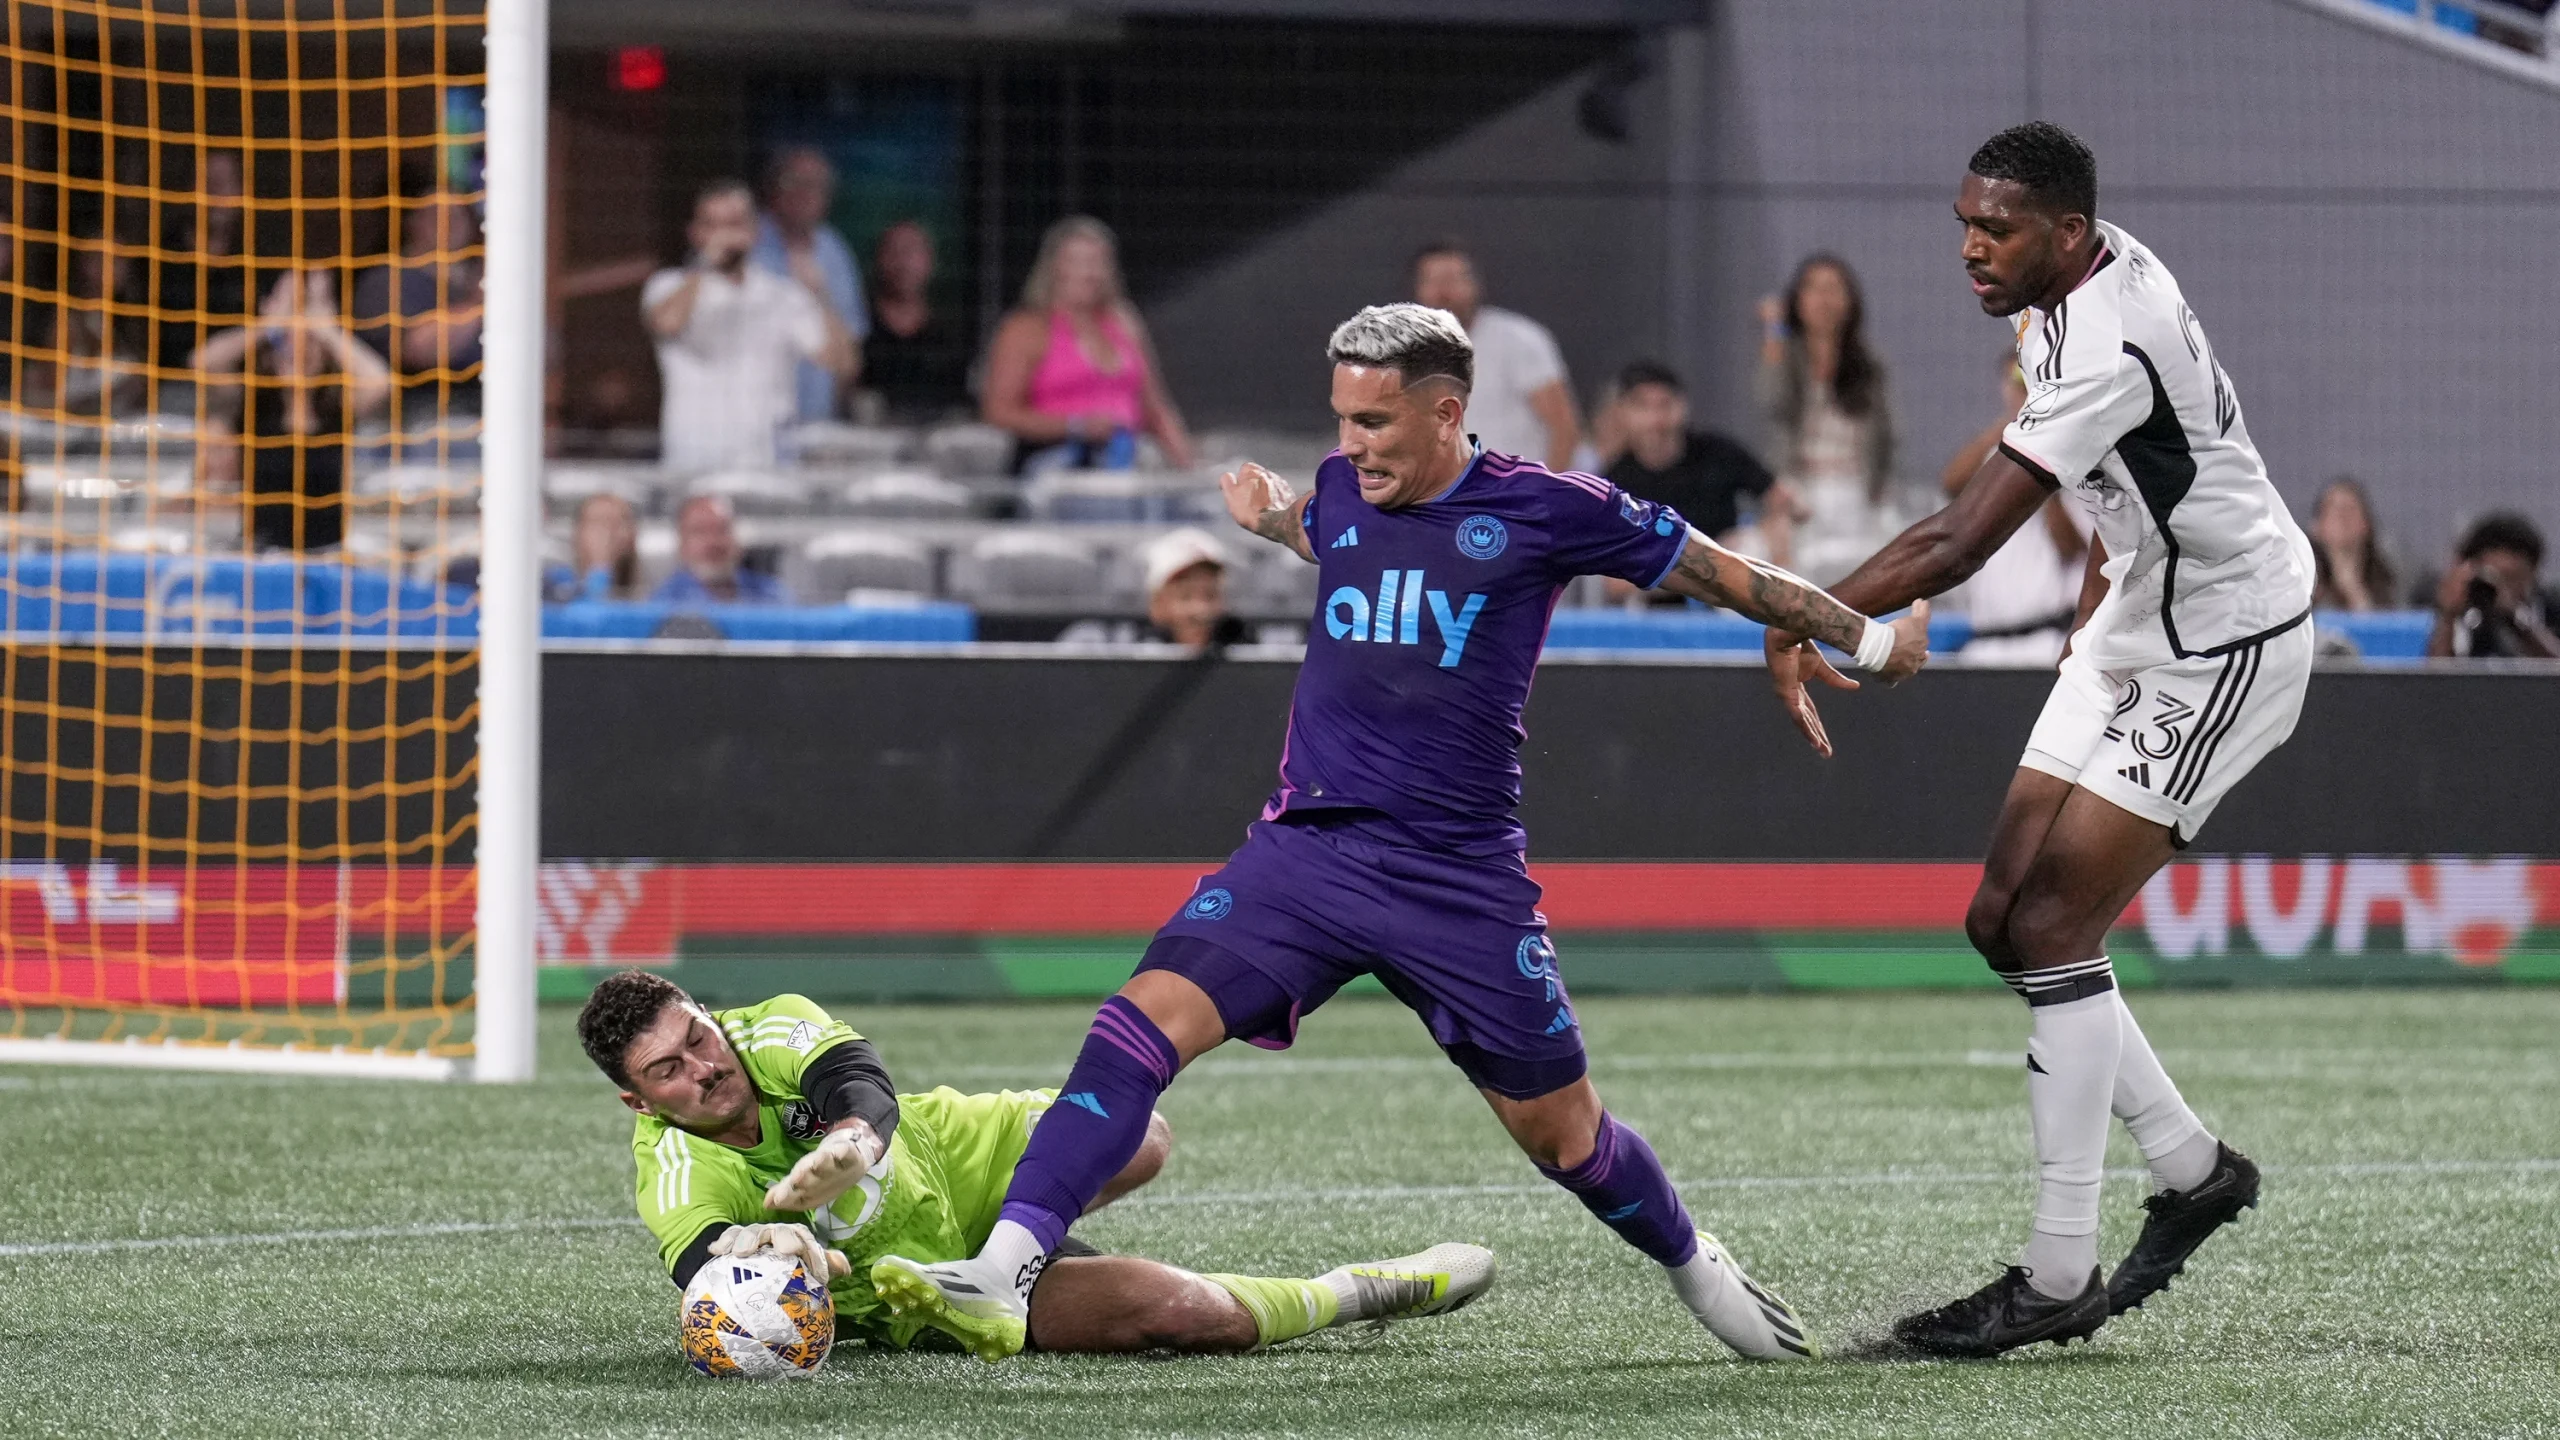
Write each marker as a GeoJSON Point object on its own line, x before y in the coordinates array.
{"type": "Point", "coordinates": [1428, 632]}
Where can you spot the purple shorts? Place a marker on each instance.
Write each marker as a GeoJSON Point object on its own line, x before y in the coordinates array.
{"type": "Point", "coordinates": [1305, 907]}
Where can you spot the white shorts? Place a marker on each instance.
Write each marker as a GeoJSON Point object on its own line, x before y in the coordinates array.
{"type": "Point", "coordinates": [2168, 742]}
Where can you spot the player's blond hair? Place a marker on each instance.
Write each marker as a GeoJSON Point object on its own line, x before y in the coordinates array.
{"type": "Point", "coordinates": [1417, 342]}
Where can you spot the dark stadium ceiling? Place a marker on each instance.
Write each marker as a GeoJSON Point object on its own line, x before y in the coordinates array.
{"type": "Point", "coordinates": [756, 24]}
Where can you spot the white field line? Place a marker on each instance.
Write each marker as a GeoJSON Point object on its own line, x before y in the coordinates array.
{"type": "Point", "coordinates": [1266, 1066]}
{"type": "Point", "coordinates": [304, 1237]}
{"type": "Point", "coordinates": [1381, 1193]}
{"type": "Point", "coordinates": [1274, 1066]}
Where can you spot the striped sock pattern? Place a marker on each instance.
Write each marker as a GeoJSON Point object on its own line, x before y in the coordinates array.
{"type": "Point", "coordinates": [2063, 983]}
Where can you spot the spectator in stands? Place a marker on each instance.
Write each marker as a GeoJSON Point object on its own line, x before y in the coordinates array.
{"type": "Point", "coordinates": [1071, 372]}
{"type": "Point", "coordinates": [204, 282]}
{"type": "Point", "coordinates": [730, 338]}
{"type": "Point", "coordinates": [2024, 598]}
{"type": "Point", "coordinates": [913, 359]}
{"type": "Point", "coordinates": [604, 554]}
{"type": "Point", "coordinates": [1706, 476]}
{"type": "Point", "coordinates": [1522, 403]}
{"type": "Point", "coordinates": [422, 313]}
{"type": "Point", "coordinates": [794, 240]}
{"type": "Point", "coordinates": [1831, 431]}
{"type": "Point", "coordinates": [95, 357]}
{"type": "Point", "coordinates": [707, 556]}
{"type": "Point", "coordinates": [2492, 603]}
{"type": "Point", "coordinates": [1186, 582]}
{"type": "Point", "coordinates": [2350, 570]}
{"type": "Point", "coordinates": [282, 400]}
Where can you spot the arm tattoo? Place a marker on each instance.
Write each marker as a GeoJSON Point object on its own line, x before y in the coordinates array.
{"type": "Point", "coordinates": [1769, 595]}
{"type": "Point", "coordinates": [1283, 526]}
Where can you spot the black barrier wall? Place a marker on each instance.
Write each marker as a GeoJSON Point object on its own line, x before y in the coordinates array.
{"type": "Point", "coordinates": [727, 756]}
{"type": "Point", "coordinates": [217, 754]}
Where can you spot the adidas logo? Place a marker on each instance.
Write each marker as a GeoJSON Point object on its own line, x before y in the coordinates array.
{"type": "Point", "coordinates": [1562, 1022]}
{"type": "Point", "coordinates": [1346, 539]}
{"type": "Point", "coordinates": [1087, 1100]}
{"type": "Point", "coordinates": [2139, 773]}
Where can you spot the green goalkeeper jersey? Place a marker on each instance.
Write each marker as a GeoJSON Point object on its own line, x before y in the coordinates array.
{"type": "Point", "coordinates": [933, 1196]}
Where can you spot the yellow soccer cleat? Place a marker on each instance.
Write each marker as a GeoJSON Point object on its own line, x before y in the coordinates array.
{"type": "Point", "coordinates": [1438, 1281]}
{"type": "Point", "coordinates": [964, 1299]}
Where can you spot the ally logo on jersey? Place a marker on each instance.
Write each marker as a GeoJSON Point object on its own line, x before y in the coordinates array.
{"type": "Point", "coordinates": [1393, 615]}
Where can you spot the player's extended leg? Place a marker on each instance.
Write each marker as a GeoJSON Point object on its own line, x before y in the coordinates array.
{"type": "Point", "coordinates": [2093, 858]}
{"type": "Point", "coordinates": [1608, 1167]}
{"type": "Point", "coordinates": [2174, 1142]}
{"type": "Point", "coordinates": [1110, 1305]}
{"type": "Point", "coordinates": [1140, 1039]}
{"type": "Point", "coordinates": [2193, 1170]}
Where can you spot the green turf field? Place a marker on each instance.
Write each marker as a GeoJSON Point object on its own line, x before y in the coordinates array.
{"type": "Point", "coordinates": [1860, 1153]}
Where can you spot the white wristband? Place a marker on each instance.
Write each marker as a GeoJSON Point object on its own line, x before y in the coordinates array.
{"type": "Point", "coordinates": [1875, 647]}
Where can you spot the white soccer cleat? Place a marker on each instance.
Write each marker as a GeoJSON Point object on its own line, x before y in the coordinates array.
{"type": "Point", "coordinates": [1756, 1324]}
{"type": "Point", "coordinates": [971, 1301]}
{"type": "Point", "coordinates": [1441, 1279]}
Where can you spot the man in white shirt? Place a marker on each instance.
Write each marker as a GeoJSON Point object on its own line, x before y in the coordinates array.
{"type": "Point", "coordinates": [730, 339]}
{"type": "Point", "coordinates": [1522, 403]}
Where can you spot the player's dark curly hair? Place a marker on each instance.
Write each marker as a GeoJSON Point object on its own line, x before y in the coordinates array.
{"type": "Point", "coordinates": [2056, 169]}
{"type": "Point", "coordinates": [624, 1004]}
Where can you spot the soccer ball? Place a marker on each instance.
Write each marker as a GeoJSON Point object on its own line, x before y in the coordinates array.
{"type": "Point", "coordinates": [757, 1316]}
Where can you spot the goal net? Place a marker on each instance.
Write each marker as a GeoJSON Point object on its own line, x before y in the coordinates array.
{"type": "Point", "coordinates": [243, 303]}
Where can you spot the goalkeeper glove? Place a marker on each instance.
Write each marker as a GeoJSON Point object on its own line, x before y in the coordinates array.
{"type": "Point", "coordinates": [842, 1158]}
{"type": "Point", "coordinates": [797, 1241]}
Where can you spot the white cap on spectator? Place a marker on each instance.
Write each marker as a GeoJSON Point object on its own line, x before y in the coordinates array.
{"type": "Point", "coordinates": [1175, 551]}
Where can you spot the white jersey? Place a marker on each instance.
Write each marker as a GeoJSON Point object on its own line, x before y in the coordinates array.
{"type": "Point", "coordinates": [2128, 410]}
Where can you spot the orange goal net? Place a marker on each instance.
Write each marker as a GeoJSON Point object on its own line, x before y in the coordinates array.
{"type": "Point", "coordinates": [240, 352]}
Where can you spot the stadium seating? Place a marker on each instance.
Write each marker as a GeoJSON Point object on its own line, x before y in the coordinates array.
{"type": "Point", "coordinates": [840, 562]}
{"type": "Point", "coordinates": [905, 495]}
{"type": "Point", "coordinates": [1029, 569]}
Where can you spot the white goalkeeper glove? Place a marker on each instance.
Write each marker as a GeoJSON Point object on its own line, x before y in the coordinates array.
{"type": "Point", "coordinates": [796, 1241]}
{"type": "Point", "coordinates": [837, 1165]}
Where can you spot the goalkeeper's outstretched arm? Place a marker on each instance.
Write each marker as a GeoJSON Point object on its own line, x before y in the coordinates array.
{"type": "Point", "coordinates": [851, 1090]}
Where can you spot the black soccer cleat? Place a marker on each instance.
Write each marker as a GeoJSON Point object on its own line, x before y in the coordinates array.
{"type": "Point", "coordinates": [2003, 1315]}
{"type": "Point", "coordinates": [2179, 1222]}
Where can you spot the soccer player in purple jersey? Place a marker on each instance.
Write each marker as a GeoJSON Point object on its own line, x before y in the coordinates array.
{"type": "Point", "coordinates": [1391, 847]}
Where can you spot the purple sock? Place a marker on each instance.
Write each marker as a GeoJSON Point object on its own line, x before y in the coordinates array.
{"type": "Point", "coordinates": [1097, 1124]}
{"type": "Point", "coordinates": [1623, 1184]}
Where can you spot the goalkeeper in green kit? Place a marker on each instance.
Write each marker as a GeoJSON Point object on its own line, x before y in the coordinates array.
{"type": "Point", "coordinates": [774, 1127]}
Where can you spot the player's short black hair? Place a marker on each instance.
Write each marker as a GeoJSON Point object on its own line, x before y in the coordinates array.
{"type": "Point", "coordinates": [1650, 372]}
{"type": "Point", "coordinates": [2057, 170]}
{"type": "Point", "coordinates": [2503, 530]}
{"type": "Point", "coordinates": [623, 1005]}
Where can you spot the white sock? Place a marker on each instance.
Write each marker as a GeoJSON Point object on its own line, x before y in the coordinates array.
{"type": "Point", "coordinates": [1011, 1248]}
{"type": "Point", "coordinates": [1697, 1283]}
{"type": "Point", "coordinates": [2071, 1070]}
{"type": "Point", "coordinates": [2181, 1151]}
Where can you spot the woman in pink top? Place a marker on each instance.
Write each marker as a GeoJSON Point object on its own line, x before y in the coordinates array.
{"type": "Point", "coordinates": [1071, 373]}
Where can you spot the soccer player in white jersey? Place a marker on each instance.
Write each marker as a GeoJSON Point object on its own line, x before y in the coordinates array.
{"type": "Point", "coordinates": [2186, 668]}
